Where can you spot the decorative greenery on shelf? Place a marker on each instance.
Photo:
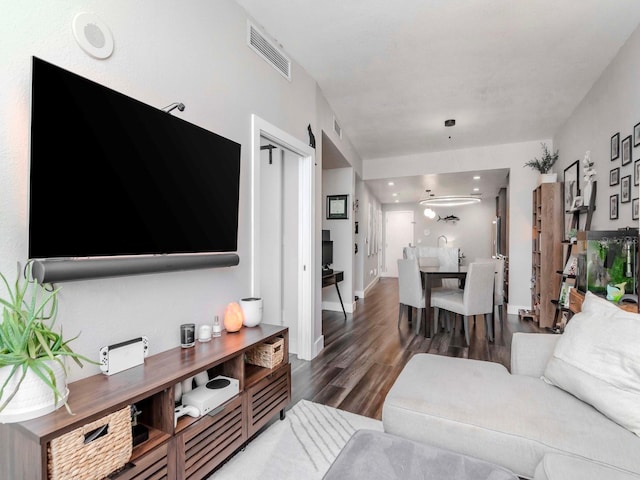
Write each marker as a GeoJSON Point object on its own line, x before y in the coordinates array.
{"type": "Point", "coordinates": [27, 336]}
{"type": "Point", "coordinates": [545, 162]}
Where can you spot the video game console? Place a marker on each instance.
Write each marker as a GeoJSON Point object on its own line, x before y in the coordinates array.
{"type": "Point", "coordinates": [122, 356]}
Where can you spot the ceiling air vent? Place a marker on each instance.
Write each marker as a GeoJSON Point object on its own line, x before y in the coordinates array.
{"type": "Point", "coordinates": [337, 128]}
{"type": "Point", "coordinates": [268, 51]}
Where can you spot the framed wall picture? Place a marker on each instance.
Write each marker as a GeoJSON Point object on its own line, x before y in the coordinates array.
{"type": "Point", "coordinates": [635, 212]}
{"type": "Point", "coordinates": [626, 150]}
{"type": "Point", "coordinates": [636, 173]}
{"type": "Point", "coordinates": [615, 146]}
{"type": "Point", "coordinates": [625, 189]}
{"type": "Point", "coordinates": [614, 176]}
{"type": "Point", "coordinates": [613, 207]}
{"type": "Point", "coordinates": [337, 207]}
{"type": "Point", "coordinates": [636, 134]}
{"type": "Point", "coordinates": [571, 185]}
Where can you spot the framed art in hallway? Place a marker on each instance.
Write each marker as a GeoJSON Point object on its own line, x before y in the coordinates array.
{"type": "Point", "coordinates": [636, 134]}
{"type": "Point", "coordinates": [614, 176]}
{"type": "Point", "coordinates": [613, 207]}
{"type": "Point", "coordinates": [615, 146]}
{"type": "Point", "coordinates": [625, 189]}
{"type": "Point", "coordinates": [337, 207]}
{"type": "Point", "coordinates": [626, 150]}
{"type": "Point", "coordinates": [635, 213]}
{"type": "Point", "coordinates": [636, 173]}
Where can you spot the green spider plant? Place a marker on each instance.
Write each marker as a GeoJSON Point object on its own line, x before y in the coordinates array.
{"type": "Point", "coordinates": [27, 337]}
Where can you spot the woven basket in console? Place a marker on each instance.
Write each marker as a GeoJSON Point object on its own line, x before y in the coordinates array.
{"type": "Point", "coordinates": [70, 458]}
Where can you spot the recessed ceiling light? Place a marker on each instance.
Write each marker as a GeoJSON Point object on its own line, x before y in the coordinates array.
{"type": "Point", "coordinates": [476, 177]}
{"type": "Point", "coordinates": [450, 123]}
{"type": "Point", "coordinates": [397, 201]}
{"type": "Point", "coordinates": [394, 194]}
{"type": "Point", "coordinates": [391, 184]}
{"type": "Point", "coordinates": [476, 189]}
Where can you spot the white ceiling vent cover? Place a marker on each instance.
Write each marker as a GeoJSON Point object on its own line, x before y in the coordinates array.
{"type": "Point", "coordinates": [268, 51]}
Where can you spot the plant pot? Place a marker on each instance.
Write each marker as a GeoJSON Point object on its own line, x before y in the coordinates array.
{"type": "Point", "coordinates": [34, 398]}
{"type": "Point", "coordinates": [548, 177]}
{"type": "Point", "coordinates": [252, 308]}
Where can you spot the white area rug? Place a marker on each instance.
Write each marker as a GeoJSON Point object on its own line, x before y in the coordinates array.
{"type": "Point", "coordinates": [301, 447]}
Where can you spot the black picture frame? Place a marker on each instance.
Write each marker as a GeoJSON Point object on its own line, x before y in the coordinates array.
{"type": "Point", "coordinates": [337, 207]}
{"type": "Point", "coordinates": [615, 146]}
{"type": "Point", "coordinates": [635, 209]}
{"type": "Point", "coordinates": [571, 185]}
{"type": "Point", "coordinates": [613, 207]}
{"type": "Point", "coordinates": [626, 150]}
{"type": "Point", "coordinates": [625, 189]}
{"type": "Point", "coordinates": [636, 134]}
{"type": "Point", "coordinates": [614, 176]}
{"type": "Point", "coordinates": [636, 173]}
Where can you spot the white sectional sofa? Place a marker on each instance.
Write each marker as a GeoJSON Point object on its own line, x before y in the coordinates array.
{"type": "Point", "coordinates": [532, 420]}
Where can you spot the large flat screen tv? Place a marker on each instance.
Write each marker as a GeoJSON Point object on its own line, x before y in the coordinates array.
{"type": "Point", "coordinates": [113, 176]}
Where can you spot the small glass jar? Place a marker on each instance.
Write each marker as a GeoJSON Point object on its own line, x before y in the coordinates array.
{"type": "Point", "coordinates": [187, 335]}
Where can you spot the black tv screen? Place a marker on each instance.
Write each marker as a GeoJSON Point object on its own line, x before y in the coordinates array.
{"type": "Point", "coordinates": [327, 253]}
{"type": "Point", "coordinates": [111, 175]}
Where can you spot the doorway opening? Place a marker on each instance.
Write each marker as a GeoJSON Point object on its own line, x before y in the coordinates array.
{"type": "Point", "coordinates": [283, 233]}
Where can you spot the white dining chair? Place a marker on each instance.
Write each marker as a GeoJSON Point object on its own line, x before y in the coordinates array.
{"type": "Point", "coordinates": [498, 291]}
{"type": "Point", "coordinates": [475, 299]}
{"type": "Point", "coordinates": [410, 291]}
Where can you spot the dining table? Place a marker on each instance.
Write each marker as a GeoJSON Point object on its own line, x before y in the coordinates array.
{"type": "Point", "coordinates": [430, 277]}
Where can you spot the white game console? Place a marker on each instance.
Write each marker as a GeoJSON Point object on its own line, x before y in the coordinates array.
{"type": "Point", "coordinates": [122, 356]}
{"type": "Point", "coordinates": [211, 395]}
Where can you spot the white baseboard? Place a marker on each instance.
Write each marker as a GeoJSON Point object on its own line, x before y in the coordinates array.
{"type": "Point", "coordinates": [318, 346]}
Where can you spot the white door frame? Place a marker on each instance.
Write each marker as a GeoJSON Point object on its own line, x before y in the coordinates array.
{"type": "Point", "coordinates": [306, 218]}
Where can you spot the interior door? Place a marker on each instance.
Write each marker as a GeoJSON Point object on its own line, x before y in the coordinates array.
{"type": "Point", "coordinates": [398, 234]}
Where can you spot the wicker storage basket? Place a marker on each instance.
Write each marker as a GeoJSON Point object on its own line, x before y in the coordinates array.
{"type": "Point", "coordinates": [267, 354]}
{"type": "Point", "coordinates": [70, 458]}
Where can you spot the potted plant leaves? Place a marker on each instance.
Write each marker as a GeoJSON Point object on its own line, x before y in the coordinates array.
{"type": "Point", "coordinates": [32, 352]}
{"type": "Point", "coordinates": [544, 164]}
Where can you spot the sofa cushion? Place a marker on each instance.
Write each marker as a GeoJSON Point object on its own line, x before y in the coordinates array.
{"type": "Point", "coordinates": [597, 359]}
{"type": "Point", "coordinates": [478, 408]}
{"type": "Point", "coordinates": [373, 455]}
{"type": "Point", "coordinates": [564, 467]}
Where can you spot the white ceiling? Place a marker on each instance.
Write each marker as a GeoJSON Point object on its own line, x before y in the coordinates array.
{"type": "Point", "coordinates": [393, 72]}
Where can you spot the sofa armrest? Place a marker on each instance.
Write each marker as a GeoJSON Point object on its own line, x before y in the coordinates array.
{"type": "Point", "coordinates": [530, 352]}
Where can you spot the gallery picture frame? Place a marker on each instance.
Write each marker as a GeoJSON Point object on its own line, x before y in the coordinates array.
{"type": "Point", "coordinates": [625, 146]}
{"type": "Point", "coordinates": [571, 185]}
{"type": "Point", "coordinates": [635, 209]}
{"type": "Point", "coordinates": [636, 172]}
{"type": "Point", "coordinates": [337, 207]}
{"type": "Point", "coordinates": [625, 189]}
{"type": "Point", "coordinates": [613, 206]}
{"type": "Point", "coordinates": [615, 146]}
{"type": "Point", "coordinates": [636, 134]}
{"type": "Point", "coordinates": [614, 176]}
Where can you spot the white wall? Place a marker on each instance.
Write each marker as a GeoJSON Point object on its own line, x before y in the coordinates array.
{"type": "Point", "coordinates": [471, 234]}
{"type": "Point", "coordinates": [340, 181]}
{"type": "Point", "coordinates": [611, 106]}
{"type": "Point", "coordinates": [522, 182]}
{"type": "Point", "coordinates": [165, 51]}
{"type": "Point", "coordinates": [367, 262]}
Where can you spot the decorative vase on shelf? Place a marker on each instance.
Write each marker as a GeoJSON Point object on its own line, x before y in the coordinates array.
{"type": "Point", "coordinates": [252, 309]}
{"type": "Point", "coordinates": [548, 177]}
{"type": "Point", "coordinates": [586, 194]}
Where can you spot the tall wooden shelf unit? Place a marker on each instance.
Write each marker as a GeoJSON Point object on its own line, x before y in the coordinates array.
{"type": "Point", "coordinates": [194, 446]}
{"type": "Point", "coordinates": [546, 260]}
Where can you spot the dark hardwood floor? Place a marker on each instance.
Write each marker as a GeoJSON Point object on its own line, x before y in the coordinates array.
{"type": "Point", "coordinates": [364, 354]}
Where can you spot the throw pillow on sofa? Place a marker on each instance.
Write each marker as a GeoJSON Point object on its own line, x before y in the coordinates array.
{"type": "Point", "coordinates": [597, 359]}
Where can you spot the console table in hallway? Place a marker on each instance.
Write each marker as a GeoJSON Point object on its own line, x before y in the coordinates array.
{"type": "Point", "coordinates": [333, 279]}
